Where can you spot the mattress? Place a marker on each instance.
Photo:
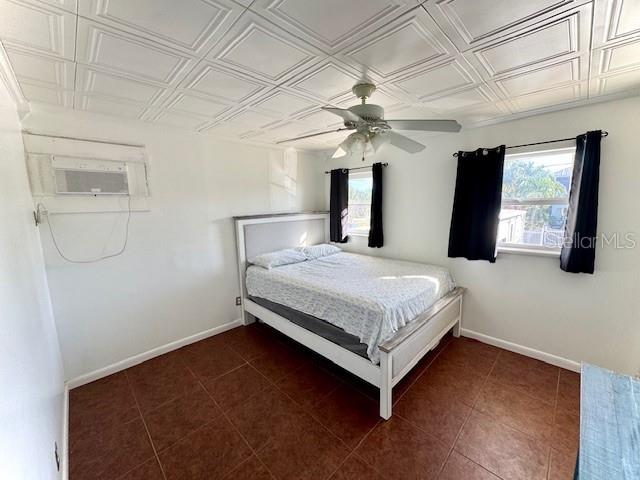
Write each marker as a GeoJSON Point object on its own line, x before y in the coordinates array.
{"type": "Point", "coordinates": [368, 297]}
{"type": "Point", "coordinates": [313, 324]}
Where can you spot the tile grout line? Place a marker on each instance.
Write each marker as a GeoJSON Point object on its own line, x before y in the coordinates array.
{"type": "Point", "coordinates": [341, 383]}
{"type": "Point", "coordinates": [555, 412]}
{"type": "Point", "coordinates": [471, 410]}
{"type": "Point", "coordinates": [277, 387]}
{"type": "Point", "coordinates": [422, 373]}
{"type": "Point", "coordinates": [353, 453]}
{"type": "Point", "coordinates": [236, 429]}
{"type": "Point", "coordinates": [310, 415]}
{"type": "Point", "coordinates": [144, 422]}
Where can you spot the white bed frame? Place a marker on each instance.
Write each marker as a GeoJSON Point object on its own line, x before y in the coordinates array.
{"type": "Point", "coordinates": [397, 355]}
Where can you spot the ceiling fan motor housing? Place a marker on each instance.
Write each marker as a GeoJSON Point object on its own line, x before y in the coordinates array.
{"type": "Point", "coordinates": [368, 111]}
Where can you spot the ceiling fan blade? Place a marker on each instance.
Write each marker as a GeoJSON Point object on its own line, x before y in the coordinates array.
{"type": "Point", "coordinates": [346, 115]}
{"type": "Point", "coordinates": [404, 143]}
{"type": "Point", "coordinates": [425, 125]}
{"type": "Point", "coordinates": [311, 135]}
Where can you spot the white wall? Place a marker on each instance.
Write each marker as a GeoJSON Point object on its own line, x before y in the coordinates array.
{"type": "Point", "coordinates": [525, 299]}
{"type": "Point", "coordinates": [178, 274]}
{"type": "Point", "coordinates": [31, 376]}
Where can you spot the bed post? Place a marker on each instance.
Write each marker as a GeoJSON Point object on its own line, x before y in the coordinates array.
{"type": "Point", "coordinates": [386, 385]}
{"type": "Point", "coordinates": [458, 326]}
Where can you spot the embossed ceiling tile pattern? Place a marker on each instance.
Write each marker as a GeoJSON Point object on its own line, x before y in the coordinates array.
{"type": "Point", "coordinates": [549, 98]}
{"type": "Point", "coordinates": [180, 121]}
{"type": "Point", "coordinates": [550, 76]}
{"type": "Point", "coordinates": [37, 27]}
{"type": "Point", "coordinates": [471, 22]}
{"type": "Point", "coordinates": [610, 84]}
{"type": "Point", "coordinates": [256, 46]}
{"type": "Point", "coordinates": [564, 36]}
{"type": "Point", "coordinates": [221, 83]}
{"type": "Point", "coordinates": [41, 69]}
{"type": "Point", "coordinates": [101, 83]}
{"type": "Point", "coordinates": [618, 57]}
{"type": "Point", "coordinates": [68, 5]}
{"type": "Point", "coordinates": [263, 72]}
{"type": "Point", "coordinates": [409, 42]}
{"type": "Point", "coordinates": [191, 25]}
{"type": "Point", "coordinates": [484, 112]}
{"type": "Point", "coordinates": [40, 94]}
{"type": "Point", "coordinates": [439, 80]}
{"type": "Point", "coordinates": [615, 20]}
{"type": "Point", "coordinates": [194, 105]}
{"type": "Point", "coordinates": [461, 100]}
{"type": "Point", "coordinates": [252, 119]}
{"type": "Point", "coordinates": [326, 81]}
{"type": "Point", "coordinates": [100, 105]}
{"type": "Point", "coordinates": [103, 46]}
{"type": "Point", "coordinates": [331, 24]}
{"type": "Point", "coordinates": [284, 104]}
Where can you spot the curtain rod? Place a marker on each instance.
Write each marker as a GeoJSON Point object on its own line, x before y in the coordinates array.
{"type": "Point", "coordinates": [604, 134]}
{"type": "Point", "coordinates": [385, 164]}
{"type": "Point", "coordinates": [82, 139]}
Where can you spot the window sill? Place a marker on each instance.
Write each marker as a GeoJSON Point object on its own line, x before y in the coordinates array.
{"type": "Point", "coordinates": [530, 251]}
{"type": "Point", "coordinates": [357, 234]}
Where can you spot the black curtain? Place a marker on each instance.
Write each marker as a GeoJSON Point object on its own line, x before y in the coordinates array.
{"type": "Point", "coordinates": [339, 204]}
{"type": "Point", "coordinates": [579, 248]}
{"type": "Point", "coordinates": [376, 237]}
{"type": "Point", "coordinates": [476, 205]}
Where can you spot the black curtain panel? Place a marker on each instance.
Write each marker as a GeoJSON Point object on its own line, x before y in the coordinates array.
{"type": "Point", "coordinates": [376, 237]}
{"type": "Point", "coordinates": [339, 205]}
{"type": "Point", "coordinates": [579, 247]}
{"type": "Point", "coordinates": [476, 204]}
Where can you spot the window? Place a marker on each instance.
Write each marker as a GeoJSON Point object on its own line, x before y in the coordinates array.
{"type": "Point", "coordinates": [535, 197]}
{"type": "Point", "coordinates": [360, 185]}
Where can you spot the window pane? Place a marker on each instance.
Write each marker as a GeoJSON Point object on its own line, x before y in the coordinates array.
{"type": "Point", "coordinates": [535, 225]}
{"type": "Point", "coordinates": [360, 185]}
{"type": "Point", "coordinates": [360, 189]}
{"type": "Point", "coordinates": [359, 218]}
{"type": "Point", "coordinates": [538, 175]}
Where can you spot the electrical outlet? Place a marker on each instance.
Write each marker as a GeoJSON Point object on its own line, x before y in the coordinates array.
{"type": "Point", "coordinates": [238, 302]}
{"type": "Point", "coordinates": [55, 452]}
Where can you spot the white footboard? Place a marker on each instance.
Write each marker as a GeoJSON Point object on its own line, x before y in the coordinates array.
{"type": "Point", "coordinates": [401, 353]}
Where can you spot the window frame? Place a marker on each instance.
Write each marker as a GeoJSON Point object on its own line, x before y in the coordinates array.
{"type": "Point", "coordinates": [531, 249]}
{"type": "Point", "coordinates": [355, 175]}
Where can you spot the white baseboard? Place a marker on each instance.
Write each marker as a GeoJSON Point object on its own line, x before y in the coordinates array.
{"type": "Point", "coordinates": [521, 349]}
{"type": "Point", "coordinates": [154, 352]}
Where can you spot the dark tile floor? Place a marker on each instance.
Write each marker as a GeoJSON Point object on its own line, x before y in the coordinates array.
{"type": "Point", "coordinates": [251, 404]}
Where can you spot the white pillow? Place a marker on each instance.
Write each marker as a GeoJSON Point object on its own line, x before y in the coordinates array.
{"type": "Point", "coordinates": [316, 251]}
{"type": "Point", "coordinates": [279, 258]}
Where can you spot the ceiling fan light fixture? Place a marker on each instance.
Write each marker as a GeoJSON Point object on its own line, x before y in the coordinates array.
{"type": "Point", "coordinates": [340, 152]}
{"type": "Point", "coordinates": [377, 140]}
{"type": "Point", "coordinates": [356, 142]}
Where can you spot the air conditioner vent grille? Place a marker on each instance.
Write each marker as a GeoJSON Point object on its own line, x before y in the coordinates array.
{"type": "Point", "coordinates": [87, 182]}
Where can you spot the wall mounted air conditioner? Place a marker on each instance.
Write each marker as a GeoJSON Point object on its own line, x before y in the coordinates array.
{"type": "Point", "coordinates": [88, 176]}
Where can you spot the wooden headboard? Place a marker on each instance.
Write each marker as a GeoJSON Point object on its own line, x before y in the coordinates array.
{"type": "Point", "coordinates": [257, 234]}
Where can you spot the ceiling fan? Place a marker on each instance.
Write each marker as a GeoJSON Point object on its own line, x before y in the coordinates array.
{"type": "Point", "coordinates": [371, 129]}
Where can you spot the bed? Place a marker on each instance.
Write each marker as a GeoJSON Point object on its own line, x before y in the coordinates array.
{"type": "Point", "coordinates": [375, 317]}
